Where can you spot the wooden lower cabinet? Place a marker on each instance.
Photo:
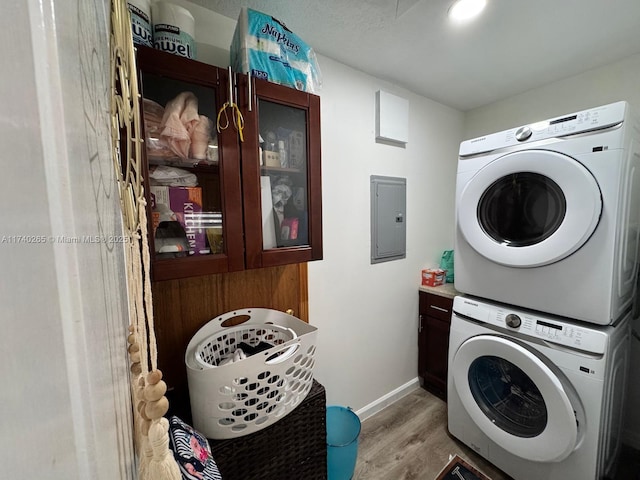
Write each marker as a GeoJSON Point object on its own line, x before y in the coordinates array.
{"type": "Point", "coordinates": [182, 306]}
{"type": "Point", "coordinates": [433, 342]}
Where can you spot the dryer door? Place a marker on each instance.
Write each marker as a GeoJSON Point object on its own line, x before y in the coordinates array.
{"type": "Point", "coordinates": [515, 398]}
{"type": "Point", "coordinates": [529, 208]}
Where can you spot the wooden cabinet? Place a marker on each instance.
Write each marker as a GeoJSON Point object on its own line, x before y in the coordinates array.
{"type": "Point", "coordinates": [433, 341]}
{"type": "Point", "coordinates": [281, 117]}
{"type": "Point", "coordinates": [246, 261]}
{"type": "Point", "coordinates": [258, 199]}
{"type": "Point", "coordinates": [182, 306]}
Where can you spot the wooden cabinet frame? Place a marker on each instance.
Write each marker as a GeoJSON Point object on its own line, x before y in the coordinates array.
{"type": "Point", "coordinates": [240, 170]}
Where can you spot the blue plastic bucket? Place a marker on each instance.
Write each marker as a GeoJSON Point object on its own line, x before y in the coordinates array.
{"type": "Point", "coordinates": [343, 429]}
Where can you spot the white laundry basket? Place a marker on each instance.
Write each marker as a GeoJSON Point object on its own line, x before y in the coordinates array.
{"type": "Point", "coordinates": [248, 395]}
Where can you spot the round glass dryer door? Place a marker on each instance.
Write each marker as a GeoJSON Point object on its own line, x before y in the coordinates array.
{"type": "Point", "coordinates": [515, 398]}
{"type": "Point", "coordinates": [529, 208]}
{"type": "Point", "coordinates": [522, 209]}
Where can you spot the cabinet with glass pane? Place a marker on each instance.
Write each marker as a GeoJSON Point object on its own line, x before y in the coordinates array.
{"type": "Point", "coordinates": [281, 174]}
{"type": "Point", "coordinates": [219, 201]}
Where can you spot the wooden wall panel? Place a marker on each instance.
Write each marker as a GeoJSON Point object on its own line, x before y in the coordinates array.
{"type": "Point", "coordinates": [182, 307]}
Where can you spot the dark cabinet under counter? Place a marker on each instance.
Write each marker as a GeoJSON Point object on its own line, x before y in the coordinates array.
{"type": "Point", "coordinates": [435, 308]}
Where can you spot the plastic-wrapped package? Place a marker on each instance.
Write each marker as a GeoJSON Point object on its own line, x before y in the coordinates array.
{"type": "Point", "coordinates": [446, 263]}
{"type": "Point", "coordinates": [177, 134]}
{"type": "Point", "coordinates": [171, 176]}
{"type": "Point", "coordinates": [179, 119]}
{"type": "Point", "coordinates": [153, 113]}
{"type": "Point", "coordinates": [264, 47]}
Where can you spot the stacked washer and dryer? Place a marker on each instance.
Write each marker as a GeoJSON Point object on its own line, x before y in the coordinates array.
{"type": "Point", "coordinates": [546, 257]}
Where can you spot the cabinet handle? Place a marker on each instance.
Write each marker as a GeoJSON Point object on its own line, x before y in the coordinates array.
{"type": "Point", "coordinates": [420, 324]}
{"type": "Point", "coordinates": [230, 86]}
{"type": "Point", "coordinates": [250, 90]}
{"type": "Point", "coordinates": [439, 308]}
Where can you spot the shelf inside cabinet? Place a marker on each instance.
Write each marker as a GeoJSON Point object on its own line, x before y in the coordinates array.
{"type": "Point", "coordinates": [181, 162]}
{"type": "Point", "coordinates": [280, 170]}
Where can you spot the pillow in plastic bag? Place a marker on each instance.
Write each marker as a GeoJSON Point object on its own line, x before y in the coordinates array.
{"type": "Point", "coordinates": [192, 452]}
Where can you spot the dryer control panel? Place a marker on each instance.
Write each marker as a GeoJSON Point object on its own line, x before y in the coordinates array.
{"type": "Point", "coordinates": [526, 323]}
{"type": "Point", "coordinates": [579, 122]}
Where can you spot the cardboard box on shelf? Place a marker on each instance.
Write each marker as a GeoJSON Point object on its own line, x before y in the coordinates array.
{"type": "Point", "coordinates": [433, 277]}
{"type": "Point", "coordinates": [271, 159]}
{"type": "Point", "coordinates": [181, 204]}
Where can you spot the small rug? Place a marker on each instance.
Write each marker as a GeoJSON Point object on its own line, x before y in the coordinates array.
{"type": "Point", "coordinates": [459, 469]}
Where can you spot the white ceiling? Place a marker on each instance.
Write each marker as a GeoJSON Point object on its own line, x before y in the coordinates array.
{"type": "Point", "coordinates": [516, 45]}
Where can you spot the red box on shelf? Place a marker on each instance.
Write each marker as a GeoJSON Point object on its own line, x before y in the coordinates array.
{"type": "Point", "coordinates": [432, 277]}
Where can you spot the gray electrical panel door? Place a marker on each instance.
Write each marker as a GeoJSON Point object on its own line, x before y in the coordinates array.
{"type": "Point", "coordinates": [388, 218]}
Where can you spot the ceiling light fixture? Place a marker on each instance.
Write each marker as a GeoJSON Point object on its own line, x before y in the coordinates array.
{"type": "Point", "coordinates": [463, 10]}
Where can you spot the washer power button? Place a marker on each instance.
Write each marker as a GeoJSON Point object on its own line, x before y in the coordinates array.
{"type": "Point", "coordinates": [523, 133]}
{"type": "Point", "coordinates": [513, 320]}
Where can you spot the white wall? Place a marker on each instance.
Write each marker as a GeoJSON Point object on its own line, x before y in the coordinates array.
{"type": "Point", "coordinates": [367, 314]}
{"type": "Point", "coordinates": [64, 401]}
{"type": "Point", "coordinates": [617, 81]}
{"type": "Point", "coordinates": [213, 33]}
{"type": "Point", "coordinates": [614, 82]}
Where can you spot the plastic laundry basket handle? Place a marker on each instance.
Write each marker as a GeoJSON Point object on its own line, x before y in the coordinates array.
{"type": "Point", "coordinates": [273, 358]}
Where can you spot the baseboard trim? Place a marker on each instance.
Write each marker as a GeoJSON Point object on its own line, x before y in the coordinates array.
{"type": "Point", "coordinates": [393, 396]}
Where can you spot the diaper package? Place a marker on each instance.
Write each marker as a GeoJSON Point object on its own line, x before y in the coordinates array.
{"type": "Point", "coordinates": [265, 48]}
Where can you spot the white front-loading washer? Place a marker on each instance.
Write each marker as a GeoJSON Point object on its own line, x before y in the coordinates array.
{"type": "Point", "coordinates": [548, 215]}
{"type": "Point", "coordinates": [537, 396]}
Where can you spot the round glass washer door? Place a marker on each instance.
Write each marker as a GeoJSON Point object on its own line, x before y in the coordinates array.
{"type": "Point", "coordinates": [515, 398]}
{"type": "Point", "coordinates": [529, 208]}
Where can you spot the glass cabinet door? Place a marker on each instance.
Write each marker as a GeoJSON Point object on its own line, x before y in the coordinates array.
{"type": "Point", "coordinates": [193, 180]}
{"type": "Point", "coordinates": [282, 147]}
{"type": "Point", "coordinates": [283, 175]}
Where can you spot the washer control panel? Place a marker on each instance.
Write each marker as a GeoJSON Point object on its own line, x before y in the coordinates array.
{"type": "Point", "coordinates": [584, 121]}
{"type": "Point", "coordinates": [523, 133]}
{"type": "Point", "coordinates": [545, 328]}
{"type": "Point", "coordinates": [512, 320]}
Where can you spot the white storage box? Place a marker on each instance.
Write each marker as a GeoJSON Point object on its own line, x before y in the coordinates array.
{"type": "Point", "coordinates": [247, 395]}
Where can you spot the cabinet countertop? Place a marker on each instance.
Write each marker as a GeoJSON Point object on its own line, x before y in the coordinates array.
{"type": "Point", "coordinates": [446, 290]}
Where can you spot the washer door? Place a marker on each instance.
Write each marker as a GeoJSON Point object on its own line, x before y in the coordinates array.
{"type": "Point", "coordinates": [515, 398]}
{"type": "Point", "coordinates": [529, 208]}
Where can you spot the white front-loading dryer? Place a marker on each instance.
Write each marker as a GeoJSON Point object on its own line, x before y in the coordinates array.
{"type": "Point", "coordinates": [548, 216]}
{"type": "Point", "coordinates": [537, 396]}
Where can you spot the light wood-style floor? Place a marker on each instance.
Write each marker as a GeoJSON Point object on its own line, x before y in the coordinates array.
{"type": "Point", "coordinates": [409, 440]}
